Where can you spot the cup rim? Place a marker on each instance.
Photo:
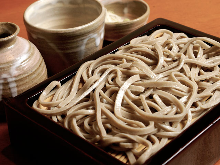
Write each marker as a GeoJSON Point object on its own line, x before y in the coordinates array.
{"type": "Point", "coordinates": [147, 13]}
{"type": "Point", "coordinates": [63, 30]}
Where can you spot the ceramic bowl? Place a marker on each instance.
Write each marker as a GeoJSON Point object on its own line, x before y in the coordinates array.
{"type": "Point", "coordinates": [65, 31]}
{"type": "Point", "coordinates": [124, 16]}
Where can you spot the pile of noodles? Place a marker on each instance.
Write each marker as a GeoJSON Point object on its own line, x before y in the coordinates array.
{"type": "Point", "coordinates": [146, 93]}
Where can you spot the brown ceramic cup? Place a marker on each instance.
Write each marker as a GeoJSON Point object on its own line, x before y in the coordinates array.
{"type": "Point", "coordinates": [65, 31]}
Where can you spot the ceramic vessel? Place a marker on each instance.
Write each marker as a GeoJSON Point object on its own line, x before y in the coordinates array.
{"type": "Point", "coordinates": [21, 64]}
{"type": "Point", "coordinates": [65, 31]}
{"type": "Point", "coordinates": [125, 17]}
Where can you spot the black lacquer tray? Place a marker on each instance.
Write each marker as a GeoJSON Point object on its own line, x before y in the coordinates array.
{"type": "Point", "coordinates": [46, 142]}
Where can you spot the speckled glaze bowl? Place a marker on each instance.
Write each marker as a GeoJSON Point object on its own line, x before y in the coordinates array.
{"type": "Point", "coordinates": [65, 31]}
{"type": "Point", "coordinates": [134, 14]}
{"type": "Point", "coordinates": [21, 64]}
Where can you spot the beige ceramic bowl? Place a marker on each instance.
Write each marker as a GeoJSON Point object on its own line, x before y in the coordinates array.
{"type": "Point", "coordinates": [65, 31]}
{"type": "Point", "coordinates": [124, 16]}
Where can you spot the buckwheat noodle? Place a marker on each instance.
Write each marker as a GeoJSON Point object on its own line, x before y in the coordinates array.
{"type": "Point", "coordinates": [139, 98]}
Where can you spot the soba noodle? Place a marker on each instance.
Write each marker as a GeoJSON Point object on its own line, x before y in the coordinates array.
{"type": "Point", "coordinates": [139, 98]}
